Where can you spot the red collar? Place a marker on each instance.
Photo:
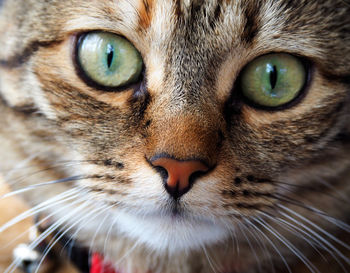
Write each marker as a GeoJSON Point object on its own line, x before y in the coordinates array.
{"type": "Point", "coordinates": [98, 265]}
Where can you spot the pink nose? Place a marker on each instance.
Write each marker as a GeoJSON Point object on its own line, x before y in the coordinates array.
{"type": "Point", "coordinates": [178, 179]}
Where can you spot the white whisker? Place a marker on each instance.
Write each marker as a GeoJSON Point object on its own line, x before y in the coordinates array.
{"type": "Point", "coordinates": [54, 201]}
{"type": "Point", "coordinates": [66, 229]}
{"type": "Point", "coordinates": [241, 226]}
{"type": "Point", "coordinates": [94, 217]}
{"type": "Point", "coordinates": [262, 246]}
{"type": "Point", "coordinates": [317, 227]}
{"type": "Point", "coordinates": [347, 260]}
{"type": "Point", "coordinates": [127, 253]}
{"type": "Point", "coordinates": [209, 259]}
{"type": "Point", "coordinates": [289, 245]}
{"type": "Point", "coordinates": [108, 234]}
{"type": "Point", "coordinates": [37, 224]}
{"type": "Point", "coordinates": [46, 233]}
{"type": "Point", "coordinates": [35, 186]}
{"type": "Point", "coordinates": [95, 235]}
{"type": "Point", "coordinates": [272, 244]}
{"type": "Point", "coordinates": [20, 165]}
{"type": "Point", "coordinates": [319, 242]}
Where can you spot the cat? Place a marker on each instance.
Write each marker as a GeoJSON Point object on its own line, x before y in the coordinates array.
{"type": "Point", "coordinates": [182, 136]}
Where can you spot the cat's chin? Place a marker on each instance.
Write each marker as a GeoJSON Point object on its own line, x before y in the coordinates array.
{"type": "Point", "coordinates": [170, 234]}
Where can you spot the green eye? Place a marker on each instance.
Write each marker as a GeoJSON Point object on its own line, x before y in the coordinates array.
{"type": "Point", "coordinates": [108, 59]}
{"type": "Point", "coordinates": [273, 80]}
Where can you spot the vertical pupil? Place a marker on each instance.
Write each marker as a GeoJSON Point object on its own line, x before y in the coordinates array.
{"type": "Point", "coordinates": [110, 55]}
{"type": "Point", "coordinates": [273, 77]}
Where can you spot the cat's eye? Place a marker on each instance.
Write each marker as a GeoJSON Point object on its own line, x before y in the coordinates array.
{"type": "Point", "coordinates": [273, 80]}
{"type": "Point", "coordinates": [108, 60]}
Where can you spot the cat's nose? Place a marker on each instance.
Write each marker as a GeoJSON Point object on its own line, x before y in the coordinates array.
{"type": "Point", "coordinates": [178, 175]}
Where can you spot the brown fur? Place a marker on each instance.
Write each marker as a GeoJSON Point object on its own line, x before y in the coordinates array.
{"type": "Point", "coordinates": [187, 107]}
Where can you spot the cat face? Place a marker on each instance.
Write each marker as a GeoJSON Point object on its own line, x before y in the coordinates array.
{"type": "Point", "coordinates": [186, 108]}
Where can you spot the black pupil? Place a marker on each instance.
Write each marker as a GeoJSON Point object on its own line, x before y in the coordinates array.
{"type": "Point", "coordinates": [273, 77]}
{"type": "Point", "coordinates": [110, 55]}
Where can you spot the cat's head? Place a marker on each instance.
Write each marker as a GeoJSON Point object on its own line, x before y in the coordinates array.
{"type": "Point", "coordinates": [190, 117]}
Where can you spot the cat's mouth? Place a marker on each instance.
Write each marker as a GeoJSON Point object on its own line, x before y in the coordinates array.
{"type": "Point", "coordinates": [172, 211]}
{"type": "Point", "coordinates": [176, 210]}
{"type": "Point", "coordinates": [173, 230]}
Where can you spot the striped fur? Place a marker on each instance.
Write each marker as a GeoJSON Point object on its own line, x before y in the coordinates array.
{"type": "Point", "coordinates": [187, 107]}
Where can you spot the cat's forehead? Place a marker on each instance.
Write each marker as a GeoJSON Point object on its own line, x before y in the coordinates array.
{"type": "Point", "coordinates": [277, 23]}
{"type": "Point", "coordinates": [203, 27]}
{"type": "Point", "coordinates": [239, 20]}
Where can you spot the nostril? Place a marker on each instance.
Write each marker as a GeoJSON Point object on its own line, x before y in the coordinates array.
{"type": "Point", "coordinates": [162, 172]}
{"type": "Point", "coordinates": [195, 176]}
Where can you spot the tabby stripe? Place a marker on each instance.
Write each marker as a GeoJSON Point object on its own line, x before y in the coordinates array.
{"type": "Point", "coordinates": [217, 13]}
{"type": "Point", "coordinates": [252, 206]}
{"type": "Point", "coordinates": [104, 191]}
{"type": "Point", "coordinates": [3, 101]}
{"type": "Point", "coordinates": [25, 109]}
{"type": "Point", "coordinates": [22, 57]}
{"type": "Point", "coordinates": [242, 205]}
{"type": "Point", "coordinates": [315, 188]}
{"type": "Point", "coordinates": [117, 179]}
{"type": "Point", "coordinates": [346, 2]}
{"type": "Point", "coordinates": [342, 137]}
{"type": "Point", "coordinates": [251, 28]}
{"type": "Point", "coordinates": [344, 79]}
{"type": "Point", "coordinates": [144, 13]}
{"type": "Point", "coordinates": [331, 118]}
{"type": "Point", "coordinates": [247, 193]}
